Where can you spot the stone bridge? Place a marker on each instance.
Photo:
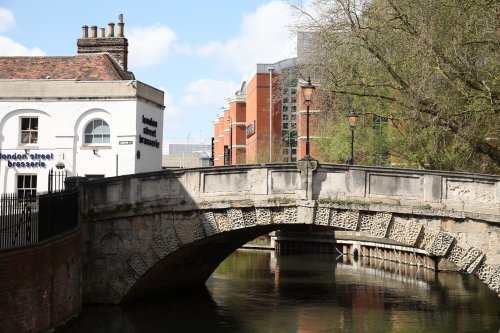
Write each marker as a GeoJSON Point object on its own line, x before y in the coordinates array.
{"type": "Point", "coordinates": [159, 232]}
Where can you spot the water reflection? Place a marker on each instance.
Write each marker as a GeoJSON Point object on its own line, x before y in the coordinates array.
{"type": "Point", "coordinates": [190, 312]}
{"type": "Point", "coordinates": [254, 291]}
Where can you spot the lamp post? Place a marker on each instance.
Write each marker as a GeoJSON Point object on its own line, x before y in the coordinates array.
{"type": "Point", "coordinates": [307, 91]}
{"type": "Point", "coordinates": [353, 118]}
{"type": "Point", "coordinates": [270, 113]}
{"type": "Point", "coordinates": [230, 140]}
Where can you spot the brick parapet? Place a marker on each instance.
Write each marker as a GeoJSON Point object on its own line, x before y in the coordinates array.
{"type": "Point", "coordinates": [40, 285]}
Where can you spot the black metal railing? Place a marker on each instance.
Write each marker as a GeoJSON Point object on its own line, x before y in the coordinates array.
{"type": "Point", "coordinates": [31, 219]}
{"type": "Point", "coordinates": [18, 220]}
{"type": "Point", "coordinates": [58, 213]}
{"type": "Point", "coordinates": [56, 181]}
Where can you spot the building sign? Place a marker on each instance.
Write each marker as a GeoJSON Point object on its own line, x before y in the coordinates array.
{"type": "Point", "coordinates": [226, 155]}
{"type": "Point", "coordinates": [149, 130]}
{"type": "Point", "coordinates": [251, 129]}
{"type": "Point", "coordinates": [125, 142]}
{"type": "Point", "coordinates": [24, 160]}
{"type": "Point", "coordinates": [213, 153]}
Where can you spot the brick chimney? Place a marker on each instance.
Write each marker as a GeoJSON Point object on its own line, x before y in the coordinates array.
{"type": "Point", "coordinates": [116, 46]}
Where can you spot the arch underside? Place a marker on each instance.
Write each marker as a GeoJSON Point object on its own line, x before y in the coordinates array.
{"type": "Point", "coordinates": [185, 249]}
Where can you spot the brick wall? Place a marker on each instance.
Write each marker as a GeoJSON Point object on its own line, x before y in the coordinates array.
{"type": "Point", "coordinates": [40, 285]}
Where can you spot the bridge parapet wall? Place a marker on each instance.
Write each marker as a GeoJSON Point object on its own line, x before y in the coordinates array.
{"type": "Point", "coordinates": [423, 188]}
{"type": "Point", "coordinates": [457, 193]}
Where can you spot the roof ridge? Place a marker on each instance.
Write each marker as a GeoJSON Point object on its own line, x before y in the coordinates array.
{"type": "Point", "coordinates": [117, 67]}
{"type": "Point", "coordinates": [97, 66]}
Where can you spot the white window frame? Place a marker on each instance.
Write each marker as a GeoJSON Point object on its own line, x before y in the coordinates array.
{"type": "Point", "coordinates": [21, 191]}
{"type": "Point", "coordinates": [94, 135]}
{"type": "Point", "coordinates": [31, 132]}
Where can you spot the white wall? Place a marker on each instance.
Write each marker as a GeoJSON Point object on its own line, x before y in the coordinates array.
{"type": "Point", "coordinates": [150, 155]}
{"type": "Point", "coordinates": [61, 136]}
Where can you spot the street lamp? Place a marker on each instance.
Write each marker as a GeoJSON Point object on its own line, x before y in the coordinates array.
{"type": "Point", "coordinates": [270, 69]}
{"type": "Point", "coordinates": [307, 91]}
{"type": "Point", "coordinates": [230, 140]}
{"type": "Point", "coordinates": [353, 118]}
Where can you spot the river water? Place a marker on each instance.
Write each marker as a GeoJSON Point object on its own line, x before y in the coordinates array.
{"type": "Point", "coordinates": [257, 291]}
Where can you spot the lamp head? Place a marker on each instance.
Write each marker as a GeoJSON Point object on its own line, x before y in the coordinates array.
{"type": "Point", "coordinates": [308, 90]}
{"type": "Point", "coordinates": [353, 118]}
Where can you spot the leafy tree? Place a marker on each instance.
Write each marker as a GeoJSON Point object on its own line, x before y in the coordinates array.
{"type": "Point", "coordinates": [429, 68]}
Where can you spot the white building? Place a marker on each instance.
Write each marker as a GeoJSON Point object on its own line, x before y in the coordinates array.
{"type": "Point", "coordinates": [186, 155]}
{"type": "Point", "coordinates": [86, 114]}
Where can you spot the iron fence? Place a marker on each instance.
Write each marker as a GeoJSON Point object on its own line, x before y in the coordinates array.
{"type": "Point", "coordinates": [31, 219]}
{"type": "Point", "coordinates": [58, 213]}
{"type": "Point", "coordinates": [56, 181]}
{"type": "Point", "coordinates": [18, 220]}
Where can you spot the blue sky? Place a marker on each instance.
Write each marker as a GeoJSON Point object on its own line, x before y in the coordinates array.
{"type": "Point", "coordinates": [197, 51]}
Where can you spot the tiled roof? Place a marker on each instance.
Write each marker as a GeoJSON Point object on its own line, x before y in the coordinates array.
{"type": "Point", "coordinates": [88, 67]}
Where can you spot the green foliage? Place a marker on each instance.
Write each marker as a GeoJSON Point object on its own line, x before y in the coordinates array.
{"type": "Point", "coordinates": [280, 200]}
{"type": "Point", "coordinates": [430, 68]}
{"type": "Point", "coordinates": [345, 201]}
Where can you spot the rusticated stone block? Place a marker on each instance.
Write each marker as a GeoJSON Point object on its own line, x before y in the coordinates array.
{"type": "Point", "coordinates": [150, 258]}
{"type": "Point", "coordinates": [470, 257]}
{"type": "Point", "coordinates": [129, 277]}
{"type": "Point", "coordinates": [397, 229]}
{"type": "Point", "coordinates": [250, 217]}
{"type": "Point", "coordinates": [412, 232]}
{"type": "Point", "coordinates": [165, 242]}
{"type": "Point", "coordinates": [376, 224]}
{"type": "Point", "coordinates": [189, 230]}
{"type": "Point", "coordinates": [405, 230]}
{"type": "Point", "coordinates": [322, 216]}
{"type": "Point", "coordinates": [426, 238]}
{"type": "Point", "coordinates": [278, 216]}
{"type": "Point", "coordinates": [441, 244]}
{"type": "Point", "coordinates": [208, 222]}
{"type": "Point", "coordinates": [137, 263]}
{"type": "Point", "coordinates": [345, 219]}
{"type": "Point", "coordinates": [263, 216]}
{"type": "Point", "coordinates": [485, 272]}
{"type": "Point", "coordinates": [223, 221]}
{"type": "Point", "coordinates": [198, 230]}
{"type": "Point", "coordinates": [236, 218]}
{"type": "Point", "coordinates": [495, 281]}
{"type": "Point", "coordinates": [475, 264]}
{"type": "Point", "coordinates": [291, 214]}
{"type": "Point", "coordinates": [455, 254]}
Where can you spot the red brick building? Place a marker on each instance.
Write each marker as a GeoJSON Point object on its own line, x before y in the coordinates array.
{"type": "Point", "coordinates": [246, 132]}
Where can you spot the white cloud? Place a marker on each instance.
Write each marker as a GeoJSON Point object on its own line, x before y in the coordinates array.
{"type": "Point", "coordinates": [265, 37]}
{"type": "Point", "coordinates": [207, 91]}
{"type": "Point", "coordinates": [6, 19]}
{"type": "Point", "coordinates": [149, 46]}
{"type": "Point", "coordinates": [172, 116]}
{"type": "Point", "coordinates": [10, 48]}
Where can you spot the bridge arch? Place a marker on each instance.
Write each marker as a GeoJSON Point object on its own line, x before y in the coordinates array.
{"type": "Point", "coordinates": [160, 232]}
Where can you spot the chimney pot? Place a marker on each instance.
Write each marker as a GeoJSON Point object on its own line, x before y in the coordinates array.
{"type": "Point", "coordinates": [102, 33]}
{"type": "Point", "coordinates": [111, 29]}
{"type": "Point", "coordinates": [85, 31]}
{"type": "Point", "coordinates": [120, 26]}
{"type": "Point", "coordinates": [93, 31]}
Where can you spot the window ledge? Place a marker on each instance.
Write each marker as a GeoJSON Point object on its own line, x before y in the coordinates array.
{"type": "Point", "coordinates": [95, 147]}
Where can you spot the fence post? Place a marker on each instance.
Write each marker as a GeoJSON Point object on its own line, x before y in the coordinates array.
{"type": "Point", "coordinates": [51, 179]}
{"type": "Point", "coordinates": [71, 183]}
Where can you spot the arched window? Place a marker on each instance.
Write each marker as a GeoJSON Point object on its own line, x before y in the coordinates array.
{"type": "Point", "coordinates": [97, 131]}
